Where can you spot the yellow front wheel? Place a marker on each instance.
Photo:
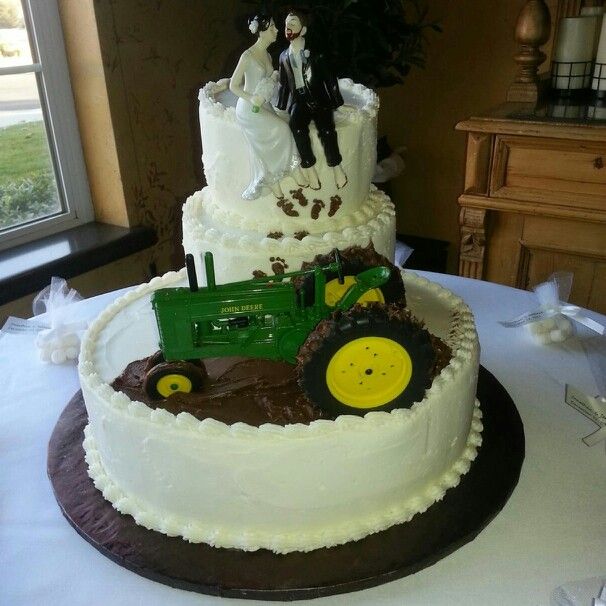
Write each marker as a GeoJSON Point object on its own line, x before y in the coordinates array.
{"type": "Point", "coordinates": [167, 378]}
{"type": "Point", "coordinates": [171, 383]}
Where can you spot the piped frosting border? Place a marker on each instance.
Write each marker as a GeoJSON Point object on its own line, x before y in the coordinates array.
{"type": "Point", "coordinates": [246, 540]}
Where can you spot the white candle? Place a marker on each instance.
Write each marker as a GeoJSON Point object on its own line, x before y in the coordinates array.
{"type": "Point", "coordinates": [574, 45]}
{"type": "Point", "coordinates": [598, 13]}
{"type": "Point", "coordinates": [599, 71]}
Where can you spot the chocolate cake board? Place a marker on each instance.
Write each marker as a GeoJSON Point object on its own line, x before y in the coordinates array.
{"type": "Point", "coordinates": [263, 575]}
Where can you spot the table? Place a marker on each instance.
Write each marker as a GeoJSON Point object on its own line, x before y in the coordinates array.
{"type": "Point", "coordinates": [551, 531]}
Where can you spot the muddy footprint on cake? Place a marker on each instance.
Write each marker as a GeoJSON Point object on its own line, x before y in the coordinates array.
{"type": "Point", "coordinates": [287, 207]}
{"type": "Point", "coordinates": [318, 205]}
{"type": "Point", "coordinates": [299, 196]}
{"type": "Point", "coordinates": [278, 265]}
{"type": "Point", "coordinates": [335, 204]}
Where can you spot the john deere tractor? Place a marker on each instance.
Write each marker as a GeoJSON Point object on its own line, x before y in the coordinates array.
{"type": "Point", "coordinates": [354, 352]}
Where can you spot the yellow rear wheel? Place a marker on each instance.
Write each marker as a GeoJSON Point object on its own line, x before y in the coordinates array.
{"type": "Point", "coordinates": [368, 372]}
{"type": "Point", "coordinates": [334, 291]}
{"type": "Point", "coordinates": [354, 261]}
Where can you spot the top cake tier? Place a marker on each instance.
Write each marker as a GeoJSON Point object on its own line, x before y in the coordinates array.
{"type": "Point", "coordinates": [227, 166]}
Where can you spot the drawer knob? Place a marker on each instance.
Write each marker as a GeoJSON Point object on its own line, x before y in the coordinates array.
{"type": "Point", "coordinates": [598, 162]}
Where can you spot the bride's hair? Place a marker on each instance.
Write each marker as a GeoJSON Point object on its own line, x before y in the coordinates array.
{"type": "Point", "coordinates": [259, 23]}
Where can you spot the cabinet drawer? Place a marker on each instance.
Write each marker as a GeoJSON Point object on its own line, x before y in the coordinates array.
{"type": "Point", "coordinates": [559, 172]}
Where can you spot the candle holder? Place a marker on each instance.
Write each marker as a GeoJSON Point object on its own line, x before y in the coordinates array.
{"type": "Point", "coordinates": [570, 78]}
{"type": "Point", "coordinates": [596, 110]}
{"type": "Point", "coordinates": [566, 107]}
{"type": "Point", "coordinates": [598, 82]}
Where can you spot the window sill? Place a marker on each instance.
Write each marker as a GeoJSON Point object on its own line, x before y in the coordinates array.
{"type": "Point", "coordinates": [28, 268]}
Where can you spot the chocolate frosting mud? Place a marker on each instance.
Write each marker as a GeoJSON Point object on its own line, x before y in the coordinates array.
{"type": "Point", "coordinates": [246, 390]}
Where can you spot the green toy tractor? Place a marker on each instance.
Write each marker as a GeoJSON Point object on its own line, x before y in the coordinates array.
{"type": "Point", "coordinates": [354, 353]}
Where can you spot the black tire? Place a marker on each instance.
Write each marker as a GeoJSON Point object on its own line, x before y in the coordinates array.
{"type": "Point", "coordinates": [355, 260]}
{"type": "Point", "coordinates": [158, 358]}
{"type": "Point", "coordinates": [194, 374]}
{"type": "Point", "coordinates": [325, 345]}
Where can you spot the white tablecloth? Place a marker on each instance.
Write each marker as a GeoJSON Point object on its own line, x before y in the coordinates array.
{"type": "Point", "coordinates": [551, 531]}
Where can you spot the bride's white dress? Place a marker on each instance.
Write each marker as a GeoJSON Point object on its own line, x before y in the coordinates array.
{"type": "Point", "coordinates": [273, 153]}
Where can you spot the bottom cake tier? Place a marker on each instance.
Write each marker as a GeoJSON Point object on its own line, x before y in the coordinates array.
{"type": "Point", "coordinates": [242, 251]}
{"type": "Point", "coordinates": [297, 487]}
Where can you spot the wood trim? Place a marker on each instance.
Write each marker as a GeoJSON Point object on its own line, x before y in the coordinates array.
{"type": "Point", "coordinates": [565, 236]}
{"type": "Point", "coordinates": [584, 197]}
{"type": "Point", "coordinates": [479, 153]}
{"type": "Point", "coordinates": [532, 128]}
{"type": "Point", "coordinates": [538, 207]}
{"type": "Point", "coordinates": [523, 267]}
{"type": "Point", "coordinates": [503, 247]}
{"type": "Point", "coordinates": [89, 85]}
{"type": "Point", "coordinates": [554, 130]}
{"type": "Point", "coordinates": [589, 254]}
{"type": "Point", "coordinates": [472, 222]}
{"type": "Point", "coordinates": [542, 143]}
{"type": "Point", "coordinates": [568, 204]}
{"type": "Point", "coordinates": [499, 165]}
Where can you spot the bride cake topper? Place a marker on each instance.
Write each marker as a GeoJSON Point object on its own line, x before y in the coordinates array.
{"type": "Point", "coordinates": [273, 153]}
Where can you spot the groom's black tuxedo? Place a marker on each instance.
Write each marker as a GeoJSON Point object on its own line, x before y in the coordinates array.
{"type": "Point", "coordinates": [315, 100]}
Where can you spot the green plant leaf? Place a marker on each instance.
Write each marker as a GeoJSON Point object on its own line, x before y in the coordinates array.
{"type": "Point", "coordinates": [374, 42]}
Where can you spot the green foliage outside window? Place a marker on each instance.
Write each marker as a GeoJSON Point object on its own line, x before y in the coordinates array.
{"type": "Point", "coordinates": [11, 14]}
{"type": "Point", "coordinates": [27, 185]}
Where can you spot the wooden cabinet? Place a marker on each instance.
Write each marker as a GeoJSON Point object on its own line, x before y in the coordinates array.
{"type": "Point", "coordinates": [534, 201]}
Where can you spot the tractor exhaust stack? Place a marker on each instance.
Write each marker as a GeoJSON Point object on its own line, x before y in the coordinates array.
{"type": "Point", "coordinates": [191, 272]}
{"type": "Point", "coordinates": [209, 265]}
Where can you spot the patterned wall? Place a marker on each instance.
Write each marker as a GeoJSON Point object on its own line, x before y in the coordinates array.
{"type": "Point", "coordinates": [156, 55]}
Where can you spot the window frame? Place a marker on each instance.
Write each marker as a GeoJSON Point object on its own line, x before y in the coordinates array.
{"type": "Point", "coordinates": [43, 25]}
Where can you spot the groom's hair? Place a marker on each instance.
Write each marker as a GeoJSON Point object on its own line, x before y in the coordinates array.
{"type": "Point", "coordinates": [303, 17]}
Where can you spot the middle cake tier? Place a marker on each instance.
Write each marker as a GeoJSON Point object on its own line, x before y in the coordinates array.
{"type": "Point", "coordinates": [245, 249]}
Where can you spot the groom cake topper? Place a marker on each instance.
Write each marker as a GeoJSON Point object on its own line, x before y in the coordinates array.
{"type": "Point", "coordinates": [310, 92]}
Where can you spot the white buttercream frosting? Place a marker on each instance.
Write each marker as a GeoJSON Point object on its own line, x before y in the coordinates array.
{"type": "Point", "coordinates": [227, 162]}
{"type": "Point", "coordinates": [292, 488]}
{"type": "Point", "coordinates": [241, 247]}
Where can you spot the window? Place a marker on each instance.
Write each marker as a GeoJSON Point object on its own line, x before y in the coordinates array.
{"type": "Point", "coordinates": [43, 185]}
